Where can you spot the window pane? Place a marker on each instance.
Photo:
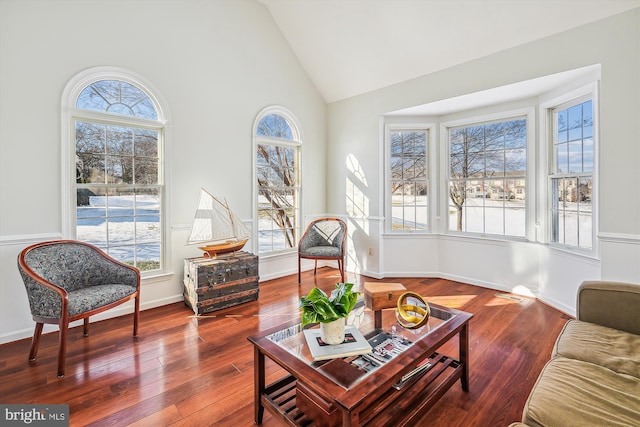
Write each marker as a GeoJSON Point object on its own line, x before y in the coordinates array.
{"type": "Point", "coordinates": [562, 126]}
{"type": "Point", "coordinates": [114, 219]}
{"type": "Point", "coordinates": [515, 160]}
{"type": "Point", "coordinates": [497, 153]}
{"type": "Point", "coordinates": [458, 166]}
{"type": "Point", "coordinates": [514, 220]}
{"type": "Point", "coordinates": [278, 188]}
{"type": "Point", "coordinates": [456, 141]}
{"type": "Point", "coordinates": [120, 228]}
{"type": "Point", "coordinates": [474, 139]}
{"type": "Point", "coordinates": [575, 156]}
{"type": "Point", "coordinates": [571, 228]}
{"type": "Point", "coordinates": [117, 97]}
{"type": "Point", "coordinates": [409, 183]}
{"type": "Point", "coordinates": [574, 117]}
{"type": "Point", "coordinates": [147, 228]}
{"type": "Point", "coordinates": [146, 170]}
{"type": "Point", "coordinates": [146, 143]}
{"type": "Point", "coordinates": [123, 253]}
{"type": "Point", "coordinates": [119, 170]}
{"type": "Point", "coordinates": [495, 165]}
{"type": "Point", "coordinates": [473, 218]}
{"type": "Point", "coordinates": [587, 155]}
{"type": "Point", "coordinates": [118, 177]}
{"type": "Point", "coordinates": [119, 140]}
{"type": "Point", "coordinates": [148, 256]}
{"type": "Point", "coordinates": [90, 138]}
{"type": "Point", "coordinates": [571, 217]}
{"type": "Point", "coordinates": [587, 119]}
{"type": "Point", "coordinates": [91, 216]}
{"type": "Point", "coordinates": [562, 158]}
{"type": "Point", "coordinates": [585, 230]}
{"type": "Point", "coordinates": [516, 134]}
{"type": "Point", "coordinates": [276, 126]}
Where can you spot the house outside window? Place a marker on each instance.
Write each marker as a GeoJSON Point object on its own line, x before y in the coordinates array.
{"type": "Point", "coordinates": [278, 194]}
{"type": "Point", "coordinates": [572, 175]}
{"type": "Point", "coordinates": [487, 177]}
{"type": "Point", "coordinates": [408, 183]}
{"type": "Point", "coordinates": [116, 136]}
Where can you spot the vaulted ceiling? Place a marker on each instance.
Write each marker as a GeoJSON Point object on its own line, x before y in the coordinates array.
{"type": "Point", "coordinates": [350, 47]}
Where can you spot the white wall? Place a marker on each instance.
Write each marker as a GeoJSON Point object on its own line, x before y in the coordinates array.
{"type": "Point", "coordinates": [550, 274]}
{"type": "Point", "coordinates": [217, 64]}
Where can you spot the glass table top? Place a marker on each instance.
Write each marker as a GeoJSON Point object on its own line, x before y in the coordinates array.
{"type": "Point", "coordinates": [387, 343]}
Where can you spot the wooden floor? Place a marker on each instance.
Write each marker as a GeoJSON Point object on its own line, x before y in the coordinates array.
{"type": "Point", "coordinates": [185, 370]}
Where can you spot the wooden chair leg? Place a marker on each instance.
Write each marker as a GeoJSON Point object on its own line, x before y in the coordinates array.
{"type": "Point", "coordinates": [136, 316]}
{"type": "Point", "coordinates": [35, 341]}
{"type": "Point", "coordinates": [85, 328]}
{"type": "Point", "coordinates": [341, 267]}
{"type": "Point", "coordinates": [298, 270]}
{"type": "Point", "coordinates": [315, 266]}
{"type": "Point", "coordinates": [64, 326]}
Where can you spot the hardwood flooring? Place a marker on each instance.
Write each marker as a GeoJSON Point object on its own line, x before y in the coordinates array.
{"type": "Point", "coordinates": [185, 370]}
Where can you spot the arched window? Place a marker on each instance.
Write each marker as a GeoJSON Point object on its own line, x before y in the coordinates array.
{"type": "Point", "coordinates": [114, 136]}
{"type": "Point", "coordinates": [277, 165]}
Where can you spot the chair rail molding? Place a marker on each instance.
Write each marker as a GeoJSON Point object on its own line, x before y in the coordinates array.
{"type": "Point", "coordinates": [28, 238]}
{"type": "Point", "coordinates": [633, 239]}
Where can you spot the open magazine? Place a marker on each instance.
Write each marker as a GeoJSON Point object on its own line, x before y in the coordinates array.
{"type": "Point", "coordinates": [385, 347]}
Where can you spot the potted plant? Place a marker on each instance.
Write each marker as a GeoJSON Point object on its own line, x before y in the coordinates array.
{"type": "Point", "coordinates": [329, 311]}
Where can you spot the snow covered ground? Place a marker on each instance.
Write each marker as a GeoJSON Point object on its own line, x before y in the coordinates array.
{"type": "Point", "coordinates": [116, 219]}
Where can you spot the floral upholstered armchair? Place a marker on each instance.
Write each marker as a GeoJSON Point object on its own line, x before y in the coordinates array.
{"type": "Point", "coordinates": [67, 280]}
{"type": "Point", "coordinates": [323, 239]}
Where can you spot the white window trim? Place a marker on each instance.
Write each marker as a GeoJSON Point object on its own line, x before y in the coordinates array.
{"type": "Point", "coordinates": [69, 113]}
{"type": "Point", "coordinates": [428, 127]}
{"type": "Point", "coordinates": [297, 142]}
{"type": "Point", "coordinates": [529, 114]}
{"type": "Point", "coordinates": [547, 104]}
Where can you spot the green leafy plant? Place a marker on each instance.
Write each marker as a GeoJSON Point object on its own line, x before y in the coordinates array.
{"type": "Point", "coordinates": [317, 306]}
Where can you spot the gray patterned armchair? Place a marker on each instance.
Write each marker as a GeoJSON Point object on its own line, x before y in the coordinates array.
{"type": "Point", "coordinates": [323, 239]}
{"type": "Point", "coordinates": [67, 280]}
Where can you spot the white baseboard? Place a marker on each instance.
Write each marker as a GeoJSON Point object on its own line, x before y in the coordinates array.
{"type": "Point", "coordinates": [120, 310]}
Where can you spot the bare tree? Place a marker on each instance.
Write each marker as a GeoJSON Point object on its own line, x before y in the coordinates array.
{"type": "Point", "coordinates": [277, 176]}
{"type": "Point", "coordinates": [408, 159]}
{"type": "Point", "coordinates": [481, 152]}
{"type": "Point", "coordinates": [275, 182]}
{"type": "Point", "coordinates": [108, 150]}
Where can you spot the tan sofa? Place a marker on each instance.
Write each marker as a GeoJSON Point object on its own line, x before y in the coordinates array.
{"type": "Point", "coordinates": [593, 377]}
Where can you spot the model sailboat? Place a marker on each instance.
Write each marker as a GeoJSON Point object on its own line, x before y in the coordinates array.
{"type": "Point", "coordinates": [216, 228]}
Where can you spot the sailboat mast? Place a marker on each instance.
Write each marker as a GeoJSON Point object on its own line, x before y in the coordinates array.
{"type": "Point", "coordinates": [233, 225]}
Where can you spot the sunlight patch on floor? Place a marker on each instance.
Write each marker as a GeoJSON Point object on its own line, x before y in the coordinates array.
{"type": "Point", "coordinates": [451, 301]}
{"type": "Point", "coordinates": [503, 299]}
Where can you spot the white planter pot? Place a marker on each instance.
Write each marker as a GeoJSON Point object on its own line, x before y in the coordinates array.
{"type": "Point", "coordinates": [333, 332]}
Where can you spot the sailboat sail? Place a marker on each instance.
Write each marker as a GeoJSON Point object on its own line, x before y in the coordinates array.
{"type": "Point", "coordinates": [215, 223]}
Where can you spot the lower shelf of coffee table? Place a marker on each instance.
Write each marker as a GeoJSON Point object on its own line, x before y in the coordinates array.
{"type": "Point", "coordinates": [394, 407]}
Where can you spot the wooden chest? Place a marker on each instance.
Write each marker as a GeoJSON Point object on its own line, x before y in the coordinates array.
{"type": "Point", "coordinates": [212, 284]}
{"type": "Point", "coordinates": [380, 295]}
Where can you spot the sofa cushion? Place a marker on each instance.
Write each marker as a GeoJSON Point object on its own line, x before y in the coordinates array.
{"type": "Point", "coordinates": [611, 348]}
{"type": "Point", "coordinates": [572, 393]}
{"type": "Point", "coordinates": [93, 297]}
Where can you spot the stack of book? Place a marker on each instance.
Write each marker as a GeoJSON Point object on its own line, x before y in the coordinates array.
{"type": "Point", "coordinates": [354, 344]}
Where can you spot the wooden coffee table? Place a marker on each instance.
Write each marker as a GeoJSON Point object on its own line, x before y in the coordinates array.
{"type": "Point", "coordinates": [339, 392]}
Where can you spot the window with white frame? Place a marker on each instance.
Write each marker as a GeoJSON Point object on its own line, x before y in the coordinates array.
{"type": "Point", "coordinates": [572, 174]}
{"type": "Point", "coordinates": [408, 179]}
{"type": "Point", "coordinates": [115, 133]}
{"type": "Point", "coordinates": [277, 165]}
{"type": "Point", "coordinates": [487, 177]}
